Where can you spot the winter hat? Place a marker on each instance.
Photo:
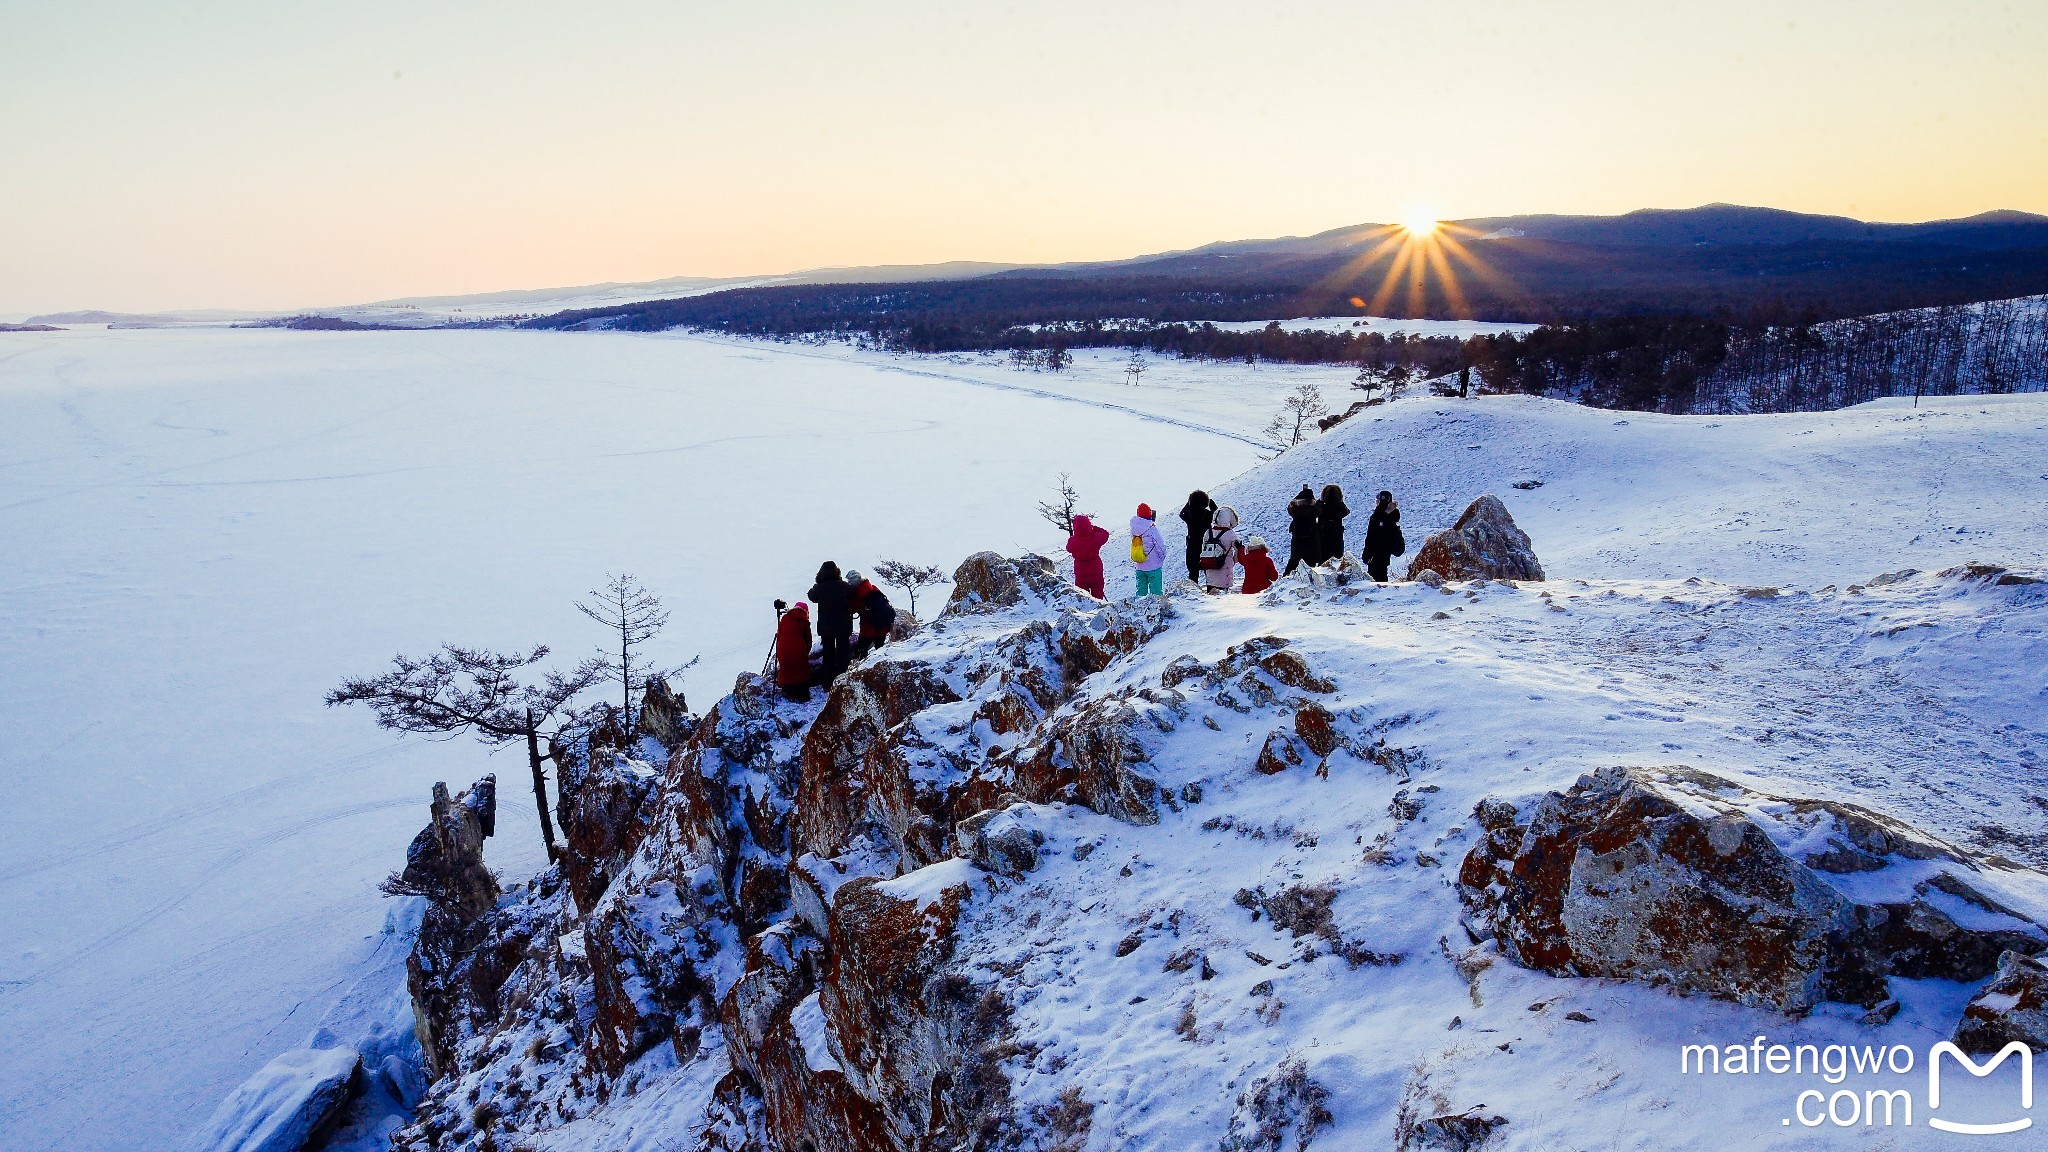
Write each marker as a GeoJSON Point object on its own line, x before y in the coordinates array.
{"type": "Point", "coordinates": [854, 577]}
{"type": "Point", "coordinates": [1258, 542]}
{"type": "Point", "coordinates": [1145, 510]}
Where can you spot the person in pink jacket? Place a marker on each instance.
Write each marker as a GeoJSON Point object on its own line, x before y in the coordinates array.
{"type": "Point", "coordinates": [1085, 543]}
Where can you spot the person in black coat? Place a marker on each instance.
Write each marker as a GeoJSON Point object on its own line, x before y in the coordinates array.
{"type": "Point", "coordinates": [835, 618]}
{"type": "Point", "coordinates": [1383, 539]}
{"type": "Point", "coordinates": [1302, 540]}
{"type": "Point", "coordinates": [1330, 513]}
{"type": "Point", "coordinates": [1196, 514]}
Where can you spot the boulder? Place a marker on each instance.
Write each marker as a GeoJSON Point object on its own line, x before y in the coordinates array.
{"type": "Point", "coordinates": [999, 840]}
{"type": "Point", "coordinates": [1091, 756]}
{"type": "Point", "coordinates": [2014, 1006]}
{"type": "Point", "coordinates": [1483, 543]}
{"type": "Point", "coordinates": [987, 581]}
{"type": "Point", "coordinates": [1669, 877]}
{"type": "Point", "coordinates": [286, 1105]}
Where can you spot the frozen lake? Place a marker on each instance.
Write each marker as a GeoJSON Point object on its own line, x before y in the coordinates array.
{"type": "Point", "coordinates": [206, 528]}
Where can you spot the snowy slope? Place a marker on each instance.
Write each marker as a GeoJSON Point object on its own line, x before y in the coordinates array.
{"type": "Point", "coordinates": [1139, 988]}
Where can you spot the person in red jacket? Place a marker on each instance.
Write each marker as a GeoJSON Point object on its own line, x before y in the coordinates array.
{"type": "Point", "coordinates": [1259, 572]}
{"type": "Point", "coordinates": [1086, 543]}
{"type": "Point", "coordinates": [793, 651]}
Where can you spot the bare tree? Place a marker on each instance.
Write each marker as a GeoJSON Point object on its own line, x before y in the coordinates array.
{"type": "Point", "coordinates": [1061, 515]}
{"type": "Point", "coordinates": [628, 608]}
{"type": "Point", "coordinates": [1135, 368]}
{"type": "Point", "coordinates": [1058, 359]}
{"type": "Point", "coordinates": [909, 577]}
{"type": "Point", "coordinates": [457, 690]}
{"type": "Point", "coordinates": [1298, 412]}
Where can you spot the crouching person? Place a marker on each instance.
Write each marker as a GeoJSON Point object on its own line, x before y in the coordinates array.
{"type": "Point", "coordinates": [793, 650]}
{"type": "Point", "coordinates": [877, 615]}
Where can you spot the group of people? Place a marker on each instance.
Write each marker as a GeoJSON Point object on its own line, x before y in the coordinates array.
{"type": "Point", "coordinates": [1216, 553]}
{"type": "Point", "coordinates": [1315, 530]}
{"type": "Point", "coordinates": [842, 601]}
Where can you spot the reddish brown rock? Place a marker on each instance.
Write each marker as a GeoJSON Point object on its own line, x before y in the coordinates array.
{"type": "Point", "coordinates": [1483, 543]}
{"type": "Point", "coordinates": [1282, 750]}
{"type": "Point", "coordinates": [1317, 728]}
{"type": "Point", "coordinates": [856, 781]}
{"type": "Point", "coordinates": [1662, 876]}
{"type": "Point", "coordinates": [987, 581]}
{"type": "Point", "coordinates": [602, 802]}
{"type": "Point", "coordinates": [2014, 1006]}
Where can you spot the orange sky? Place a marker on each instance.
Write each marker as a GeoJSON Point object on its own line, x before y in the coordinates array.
{"type": "Point", "coordinates": [276, 156]}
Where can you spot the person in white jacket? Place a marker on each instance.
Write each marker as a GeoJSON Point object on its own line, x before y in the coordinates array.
{"type": "Point", "coordinates": [1220, 551]}
{"type": "Point", "coordinates": [1148, 552]}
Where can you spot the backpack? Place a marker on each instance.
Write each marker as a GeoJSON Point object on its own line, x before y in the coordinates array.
{"type": "Point", "coordinates": [1137, 549]}
{"type": "Point", "coordinates": [1212, 551]}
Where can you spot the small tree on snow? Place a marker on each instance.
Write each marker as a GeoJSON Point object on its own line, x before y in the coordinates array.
{"type": "Point", "coordinates": [1061, 514]}
{"type": "Point", "coordinates": [629, 609]}
{"type": "Point", "coordinates": [909, 577]}
{"type": "Point", "coordinates": [1135, 368]}
{"type": "Point", "coordinates": [457, 690]}
{"type": "Point", "coordinates": [1058, 359]}
{"type": "Point", "coordinates": [1298, 412]}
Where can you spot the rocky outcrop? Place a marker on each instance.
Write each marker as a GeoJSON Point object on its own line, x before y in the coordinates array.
{"type": "Point", "coordinates": [779, 897]}
{"type": "Point", "coordinates": [1483, 543]}
{"type": "Point", "coordinates": [987, 581]}
{"type": "Point", "coordinates": [2014, 1006]}
{"type": "Point", "coordinates": [664, 714]}
{"type": "Point", "coordinates": [603, 802]}
{"type": "Point", "coordinates": [445, 862]}
{"type": "Point", "coordinates": [1670, 877]}
{"type": "Point", "coordinates": [856, 767]}
{"type": "Point", "coordinates": [919, 1039]}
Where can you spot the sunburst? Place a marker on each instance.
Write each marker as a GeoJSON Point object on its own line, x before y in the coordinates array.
{"type": "Point", "coordinates": [1420, 254]}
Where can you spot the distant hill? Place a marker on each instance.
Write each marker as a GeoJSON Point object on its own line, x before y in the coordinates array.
{"type": "Point", "coordinates": [1720, 258]}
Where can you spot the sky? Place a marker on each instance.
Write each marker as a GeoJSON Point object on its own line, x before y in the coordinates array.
{"type": "Point", "coordinates": [280, 155]}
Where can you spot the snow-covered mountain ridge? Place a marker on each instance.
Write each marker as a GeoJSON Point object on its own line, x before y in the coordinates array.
{"type": "Point", "coordinates": [1186, 873]}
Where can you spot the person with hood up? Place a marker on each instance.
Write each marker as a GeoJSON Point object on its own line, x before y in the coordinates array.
{"type": "Point", "coordinates": [1220, 551]}
{"type": "Point", "coordinates": [835, 619]}
{"type": "Point", "coordinates": [1383, 539]}
{"type": "Point", "coordinates": [1302, 540]}
{"type": "Point", "coordinates": [1085, 543]}
{"type": "Point", "coordinates": [1259, 572]}
{"type": "Point", "coordinates": [1330, 513]}
{"type": "Point", "coordinates": [877, 615]}
{"type": "Point", "coordinates": [793, 651]}
{"type": "Point", "coordinates": [1195, 514]}
{"type": "Point", "coordinates": [1148, 552]}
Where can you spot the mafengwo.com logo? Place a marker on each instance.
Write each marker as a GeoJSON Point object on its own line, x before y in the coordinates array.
{"type": "Point", "coordinates": [1863, 1086]}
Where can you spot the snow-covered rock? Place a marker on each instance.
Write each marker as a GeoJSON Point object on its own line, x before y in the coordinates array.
{"type": "Point", "coordinates": [285, 1105]}
{"type": "Point", "coordinates": [1672, 877]}
{"type": "Point", "coordinates": [2014, 1006]}
{"type": "Point", "coordinates": [1484, 544]}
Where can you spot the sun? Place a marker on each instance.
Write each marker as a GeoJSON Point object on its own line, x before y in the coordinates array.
{"type": "Point", "coordinates": [1420, 224]}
